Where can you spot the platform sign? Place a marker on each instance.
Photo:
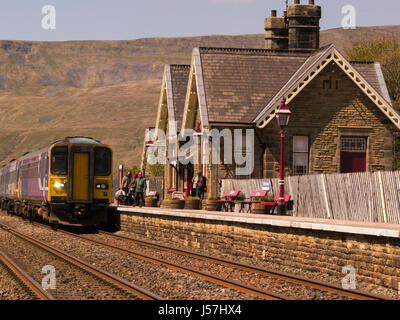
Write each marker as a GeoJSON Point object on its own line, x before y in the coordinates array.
{"type": "Point", "coordinates": [266, 185]}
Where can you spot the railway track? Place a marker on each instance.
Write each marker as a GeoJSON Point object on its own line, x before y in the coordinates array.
{"type": "Point", "coordinates": [24, 279]}
{"type": "Point", "coordinates": [314, 284]}
{"type": "Point", "coordinates": [241, 287]}
{"type": "Point", "coordinates": [204, 275]}
{"type": "Point", "coordinates": [319, 285]}
{"type": "Point", "coordinates": [86, 274]}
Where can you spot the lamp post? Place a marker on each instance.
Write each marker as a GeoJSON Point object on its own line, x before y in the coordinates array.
{"type": "Point", "coordinates": [282, 119]}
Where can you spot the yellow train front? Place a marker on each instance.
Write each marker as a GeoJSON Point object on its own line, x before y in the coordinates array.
{"type": "Point", "coordinates": [79, 182]}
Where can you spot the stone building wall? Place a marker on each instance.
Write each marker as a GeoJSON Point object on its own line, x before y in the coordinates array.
{"type": "Point", "coordinates": [325, 115]}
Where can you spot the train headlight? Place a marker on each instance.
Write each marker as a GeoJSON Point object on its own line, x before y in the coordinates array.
{"type": "Point", "coordinates": [59, 185]}
{"type": "Point", "coordinates": [102, 186]}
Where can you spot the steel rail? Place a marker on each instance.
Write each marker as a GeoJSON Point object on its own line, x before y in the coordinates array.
{"type": "Point", "coordinates": [25, 278]}
{"type": "Point", "coordinates": [327, 287]}
{"type": "Point", "coordinates": [98, 273]}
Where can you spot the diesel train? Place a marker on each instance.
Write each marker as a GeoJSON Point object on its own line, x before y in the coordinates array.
{"type": "Point", "coordinates": [66, 183]}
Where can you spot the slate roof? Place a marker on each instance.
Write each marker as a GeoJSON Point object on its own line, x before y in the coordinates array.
{"type": "Point", "coordinates": [179, 82]}
{"type": "Point", "coordinates": [372, 73]}
{"type": "Point", "coordinates": [240, 83]}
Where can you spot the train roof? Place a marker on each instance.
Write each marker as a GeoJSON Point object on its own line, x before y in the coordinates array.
{"type": "Point", "coordinates": [74, 140]}
{"type": "Point", "coordinates": [78, 139]}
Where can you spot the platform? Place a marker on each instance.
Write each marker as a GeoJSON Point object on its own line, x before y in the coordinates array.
{"type": "Point", "coordinates": [342, 226]}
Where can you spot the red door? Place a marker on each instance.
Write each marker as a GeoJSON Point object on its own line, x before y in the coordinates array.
{"type": "Point", "coordinates": [353, 155]}
{"type": "Point", "coordinates": [353, 161]}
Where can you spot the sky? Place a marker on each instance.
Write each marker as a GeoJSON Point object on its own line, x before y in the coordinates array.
{"type": "Point", "coordinates": [133, 19]}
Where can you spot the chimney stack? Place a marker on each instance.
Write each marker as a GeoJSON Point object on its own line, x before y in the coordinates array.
{"type": "Point", "coordinates": [303, 20]}
{"type": "Point", "coordinates": [276, 32]}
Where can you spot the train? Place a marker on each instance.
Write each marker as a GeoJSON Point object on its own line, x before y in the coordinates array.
{"type": "Point", "coordinates": [66, 183]}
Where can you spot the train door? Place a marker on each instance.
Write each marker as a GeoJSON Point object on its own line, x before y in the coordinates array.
{"type": "Point", "coordinates": [80, 189]}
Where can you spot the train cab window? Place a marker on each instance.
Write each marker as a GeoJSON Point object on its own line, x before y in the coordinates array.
{"type": "Point", "coordinates": [59, 160]}
{"type": "Point", "coordinates": [102, 161]}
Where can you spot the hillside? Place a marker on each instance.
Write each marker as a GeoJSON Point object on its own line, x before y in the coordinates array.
{"type": "Point", "coordinates": [108, 90]}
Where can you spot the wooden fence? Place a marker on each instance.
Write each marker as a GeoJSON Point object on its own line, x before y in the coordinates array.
{"type": "Point", "coordinates": [366, 196]}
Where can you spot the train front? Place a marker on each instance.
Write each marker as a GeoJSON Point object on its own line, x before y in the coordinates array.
{"type": "Point", "coordinates": [80, 182]}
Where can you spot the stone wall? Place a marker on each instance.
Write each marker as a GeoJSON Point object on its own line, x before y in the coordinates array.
{"type": "Point", "coordinates": [376, 259]}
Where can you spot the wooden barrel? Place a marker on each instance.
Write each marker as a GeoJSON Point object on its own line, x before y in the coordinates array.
{"type": "Point", "coordinates": [193, 204]}
{"type": "Point", "coordinates": [150, 202]}
{"type": "Point", "coordinates": [211, 205]}
{"type": "Point", "coordinates": [177, 204]}
{"type": "Point", "coordinates": [166, 204]}
{"type": "Point", "coordinates": [258, 208]}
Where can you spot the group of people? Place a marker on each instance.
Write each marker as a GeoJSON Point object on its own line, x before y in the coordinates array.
{"type": "Point", "coordinates": [134, 188]}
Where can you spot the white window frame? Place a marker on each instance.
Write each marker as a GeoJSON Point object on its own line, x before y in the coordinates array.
{"type": "Point", "coordinates": [300, 152]}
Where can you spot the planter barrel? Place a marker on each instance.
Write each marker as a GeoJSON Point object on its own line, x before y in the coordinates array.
{"type": "Point", "coordinates": [166, 204]}
{"type": "Point", "coordinates": [211, 205]}
{"type": "Point", "coordinates": [193, 204]}
{"type": "Point", "coordinates": [150, 202]}
{"type": "Point", "coordinates": [177, 204]}
{"type": "Point", "coordinates": [258, 208]}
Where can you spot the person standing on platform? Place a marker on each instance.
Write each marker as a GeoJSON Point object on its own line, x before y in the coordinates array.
{"type": "Point", "coordinates": [140, 189]}
{"type": "Point", "coordinates": [126, 182]}
{"type": "Point", "coordinates": [199, 184]}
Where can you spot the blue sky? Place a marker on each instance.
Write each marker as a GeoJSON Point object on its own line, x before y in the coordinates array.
{"type": "Point", "coordinates": [132, 19]}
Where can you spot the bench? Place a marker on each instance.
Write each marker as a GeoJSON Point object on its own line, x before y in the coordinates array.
{"type": "Point", "coordinates": [253, 195]}
{"type": "Point", "coordinates": [287, 199]}
{"type": "Point", "coordinates": [230, 196]}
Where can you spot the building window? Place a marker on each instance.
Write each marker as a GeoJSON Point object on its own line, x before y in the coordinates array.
{"type": "Point", "coordinates": [353, 154]}
{"type": "Point", "coordinates": [300, 155]}
{"type": "Point", "coordinates": [353, 144]}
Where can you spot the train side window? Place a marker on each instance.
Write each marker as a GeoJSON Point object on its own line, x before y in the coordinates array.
{"type": "Point", "coordinates": [59, 160]}
{"type": "Point", "coordinates": [102, 161]}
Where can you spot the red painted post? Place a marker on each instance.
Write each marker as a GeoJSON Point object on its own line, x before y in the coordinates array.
{"type": "Point", "coordinates": [282, 120]}
{"type": "Point", "coordinates": [282, 169]}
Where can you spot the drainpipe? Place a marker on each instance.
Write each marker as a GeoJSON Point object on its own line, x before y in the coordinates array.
{"type": "Point", "coordinates": [262, 145]}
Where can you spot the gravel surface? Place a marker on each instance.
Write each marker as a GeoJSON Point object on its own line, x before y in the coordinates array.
{"type": "Point", "coordinates": [71, 281]}
{"type": "Point", "coordinates": [11, 288]}
{"type": "Point", "coordinates": [155, 278]}
{"type": "Point", "coordinates": [265, 283]}
{"type": "Point", "coordinates": [367, 287]}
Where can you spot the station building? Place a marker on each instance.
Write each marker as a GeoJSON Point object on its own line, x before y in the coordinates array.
{"type": "Point", "coordinates": [342, 116]}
